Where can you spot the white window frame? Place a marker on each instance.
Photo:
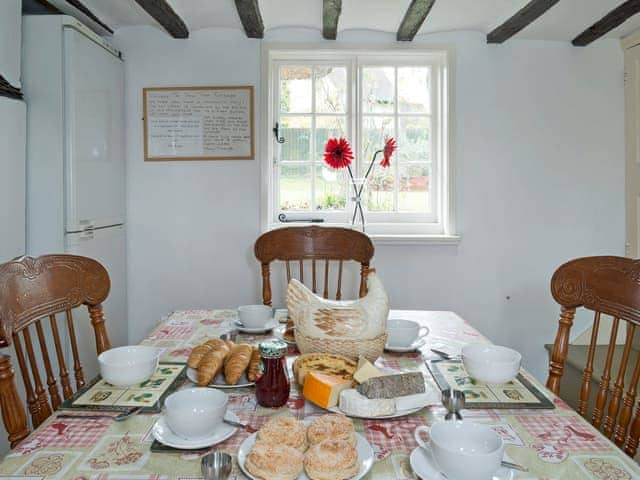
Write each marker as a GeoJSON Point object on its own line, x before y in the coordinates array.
{"type": "Point", "coordinates": [410, 227]}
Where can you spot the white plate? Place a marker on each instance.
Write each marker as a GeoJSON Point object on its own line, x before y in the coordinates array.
{"type": "Point", "coordinates": [414, 346]}
{"type": "Point", "coordinates": [365, 456]}
{"type": "Point", "coordinates": [165, 435]}
{"type": "Point", "coordinates": [399, 413]}
{"type": "Point", "coordinates": [270, 325]}
{"type": "Point", "coordinates": [219, 382]}
{"type": "Point", "coordinates": [424, 466]}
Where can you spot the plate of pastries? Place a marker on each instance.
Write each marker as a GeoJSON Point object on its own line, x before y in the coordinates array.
{"type": "Point", "coordinates": [359, 389]}
{"type": "Point", "coordinates": [325, 448]}
{"type": "Point", "coordinates": [223, 364]}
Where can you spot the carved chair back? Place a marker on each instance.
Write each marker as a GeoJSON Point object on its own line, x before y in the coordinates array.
{"type": "Point", "coordinates": [609, 286]}
{"type": "Point", "coordinates": [32, 291]}
{"type": "Point", "coordinates": [320, 245]}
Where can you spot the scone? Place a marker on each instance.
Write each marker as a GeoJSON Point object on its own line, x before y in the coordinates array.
{"type": "Point", "coordinates": [274, 461]}
{"type": "Point", "coordinates": [284, 431]}
{"type": "Point", "coordinates": [331, 460]}
{"type": "Point", "coordinates": [333, 426]}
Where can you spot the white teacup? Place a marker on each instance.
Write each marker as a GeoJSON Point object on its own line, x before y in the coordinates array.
{"type": "Point", "coordinates": [254, 316]}
{"type": "Point", "coordinates": [403, 333]}
{"type": "Point", "coordinates": [195, 412]}
{"type": "Point", "coordinates": [463, 450]}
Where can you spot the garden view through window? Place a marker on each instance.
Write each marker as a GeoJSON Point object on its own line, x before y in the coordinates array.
{"type": "Point", "coordinates": [366, 101]}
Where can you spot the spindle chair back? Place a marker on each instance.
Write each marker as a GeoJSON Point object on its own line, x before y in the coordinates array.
{"type": "Point", "coordinates": [610, 286]}
{"type": "Point", "coordinates": [320, 245]}
{"type": "Point", "coordinates": [32, 291]}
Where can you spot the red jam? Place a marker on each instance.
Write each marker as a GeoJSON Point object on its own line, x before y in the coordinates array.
{"type": "Point", "coordinates": [273, 385]}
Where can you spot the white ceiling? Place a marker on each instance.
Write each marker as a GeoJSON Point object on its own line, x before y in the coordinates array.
{"type": "Point", "coordinates": [563, 21]}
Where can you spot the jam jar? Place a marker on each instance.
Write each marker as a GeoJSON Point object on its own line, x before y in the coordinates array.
{"type": "Point", "coordinates": [272, 385]}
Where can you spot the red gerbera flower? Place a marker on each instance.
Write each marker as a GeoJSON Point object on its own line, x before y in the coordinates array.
{"type": "Point", "coordinates": [389, 148]}
{"type": "Point", "coordinates": [338, 153]}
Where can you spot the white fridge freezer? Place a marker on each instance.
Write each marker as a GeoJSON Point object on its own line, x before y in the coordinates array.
{"type": "Point", "coordinates": [107, 245]}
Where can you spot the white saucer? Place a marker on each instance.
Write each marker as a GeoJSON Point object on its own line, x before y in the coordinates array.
{"type": "Point", "coordinates": [424, 466]}
{"type": "Point", "coordinates": [219, 381]}
{"type": "Point", "coordinates": [270, 325]}
{"type": "Point", "coordinates": [165, 435]}
{"type": "Point", "coordinates": [414, 346]}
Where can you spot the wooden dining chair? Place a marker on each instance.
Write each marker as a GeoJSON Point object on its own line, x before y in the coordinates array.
{"type": "Point", "coordinates": [606, 286]}
{"type": "Point", "coordinates": [294, 245]}
{"type": "Point", "coordinates": [31, 290]}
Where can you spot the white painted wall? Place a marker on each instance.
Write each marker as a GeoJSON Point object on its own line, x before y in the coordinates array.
{"type": "Point", "coordinates": [10, 40]}
{"type": "Point", "coordinates": [539, 164]}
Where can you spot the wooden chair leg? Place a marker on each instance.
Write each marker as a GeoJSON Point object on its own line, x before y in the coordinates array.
{"type": "Point", "coordinates": [266, 283]}
{"type": "Point", "coordinates": [13, 414]}
{"type": "Point", "coordinates": [560, 349]}
{"type": "Point", "coordinates": [97, 320]}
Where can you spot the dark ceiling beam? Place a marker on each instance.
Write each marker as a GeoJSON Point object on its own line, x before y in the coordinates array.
{"type": "Point", "coordinates": [611, 20]}
{"type": "Point", "coordinates": [82, 8]}
{"type": "Point", "coordinates": [413, 19]}
{"type": "Point", "coordinates": [330, 13]}
{"type": "Point", "coordinates": [162, 12]}
{"type": "Point", "coordinates": [249, 12]}
{"type": "Point", "coordinates": [526, 15]}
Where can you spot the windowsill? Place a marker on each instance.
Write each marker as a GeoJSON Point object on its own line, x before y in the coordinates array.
{"type": "Point", "coordinates": [379, 239]}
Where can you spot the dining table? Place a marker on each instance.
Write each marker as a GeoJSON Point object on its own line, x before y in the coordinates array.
{"type": "Point", "coordinates": [554, 443]}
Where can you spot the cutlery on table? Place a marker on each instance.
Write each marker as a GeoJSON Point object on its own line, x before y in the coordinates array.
{"type": "Point", "coordinates": [445, 355]}
{"type": "Point", "coordinates": [118, 418]}
{"type": "Point", "coordinates": [513, 466]}
{"type": "Point", "coordinates": [216, 466]}
{"type": "Point", "coordinates": [248, 428]}
{"type": "Point", "coordinates": [453, 401]}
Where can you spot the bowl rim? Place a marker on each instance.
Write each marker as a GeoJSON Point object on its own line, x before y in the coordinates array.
{"type": "Point", "coordinates": [470, 425]}
{"type": "Point", "coordinates": [200, 390]}
{"type": "Point", "coordinates": [255, 306]}
{"type": "Point", "coordinates": [465, 355]}
{"type": "Point", "coordinates": [102, 358]}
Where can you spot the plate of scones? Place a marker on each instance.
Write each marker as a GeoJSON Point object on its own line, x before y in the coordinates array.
{"type": "Point", "coordinates": [325, 448]}
{"type": "Point", "coordinates": [223, 364]}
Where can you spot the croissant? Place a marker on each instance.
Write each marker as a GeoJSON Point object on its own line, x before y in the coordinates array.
{"type": "Point", "coordinates": [237, 362]}
{"type": "Point", "coordinates": [211, 364]}
{"type": "Point", "coordinates": [216, 343]}
{"type": "Point", "coordinates": [254, 365]}
{"type": "Point", "coordinates": [196, 355]}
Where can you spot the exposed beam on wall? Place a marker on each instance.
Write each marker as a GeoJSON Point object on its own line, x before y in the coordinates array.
{"type": "Point", "coordinates": [523, 17]}
{"type": "Point", "coordinates": [611, 20]}
{"type": "Point", "coordinates": [251, 19]}
{"type": "Point", "coordinates": [330, 13]}
{"type": "Point", "coordinates": [413, 19]}
{"type": "Point", "coordinates": [82, 8]}
{"type": "Point", "coordinates": [165, 16]}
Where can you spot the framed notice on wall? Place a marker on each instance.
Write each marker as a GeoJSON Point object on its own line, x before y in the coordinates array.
{"type": "Point", "coordinates": [198, 123]}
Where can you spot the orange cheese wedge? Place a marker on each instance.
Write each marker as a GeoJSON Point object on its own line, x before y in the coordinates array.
{"type": "Point", "coordinates": [324, 390]}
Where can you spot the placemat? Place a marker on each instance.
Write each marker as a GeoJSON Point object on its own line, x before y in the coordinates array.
{"type": "Point", "coordinates": [100, 395]}
{"type": "Point", "coordinates": [519, 393]}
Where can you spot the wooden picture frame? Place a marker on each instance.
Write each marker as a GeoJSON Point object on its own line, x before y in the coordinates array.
{"type": "Point", "coordinates": [211, 123]}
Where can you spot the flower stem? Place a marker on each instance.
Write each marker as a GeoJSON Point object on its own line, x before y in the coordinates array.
{"type": "Point", "coordinates": [366, 175]}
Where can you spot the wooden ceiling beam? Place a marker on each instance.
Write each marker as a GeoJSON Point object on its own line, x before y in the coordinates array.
{"type": "Point", "coordinates": [413, 19]}
{"type": "Point", "coordinates": [611, 20]}
{"type": "Point", "coordinates": [249, 13]}
{"type": "Point", "coordinates": [331, 10]}
{"type": "Point", "coordinates": [523, 17]}
{"type": "Point", "coordinates": [162, 12]}
{"type": "Point", "coordinates": [78, 5]}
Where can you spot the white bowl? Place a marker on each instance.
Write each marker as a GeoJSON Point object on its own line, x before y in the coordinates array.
{"type": "Point", "coordinates": [127, 366]}
{"type": "Point", "coordinates": [254, 316]}
{"type": "Point", "coordinates": [491, 363]}
{"type": "Point", "coordinates": [195, 412]}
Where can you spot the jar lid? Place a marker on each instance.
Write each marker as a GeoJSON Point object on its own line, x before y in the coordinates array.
{"type": "Point", "coordinates": [272, 348]}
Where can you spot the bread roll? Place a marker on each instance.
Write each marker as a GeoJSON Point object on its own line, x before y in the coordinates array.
{"type": "Point", "coordinates": [254, 365]}
{"type": "Point", "coordinates": [236, 363]}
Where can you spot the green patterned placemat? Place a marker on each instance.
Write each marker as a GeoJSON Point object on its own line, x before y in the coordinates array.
{"type": "Point", "coordinates": [519, 393]}
{"type": "Point", "coordinates": [102, 396]}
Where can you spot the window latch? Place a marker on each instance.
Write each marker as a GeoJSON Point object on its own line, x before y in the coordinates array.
{"type": "Point", "coordinates": [283, 218]}
{"type": "Point", "coordinates": [276, 133]}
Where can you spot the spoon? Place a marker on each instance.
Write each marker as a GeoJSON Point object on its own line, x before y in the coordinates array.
{"type": "Point", "coordinates": [129, 413]}
{"type": "Point", "coordinates": [216, 466]}
{"type": "Point", "coordinates": [453, 401]}
{"type": "Point", "coordinates": [444, 355]}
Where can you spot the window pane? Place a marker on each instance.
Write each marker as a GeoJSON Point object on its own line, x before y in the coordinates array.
{"type": "Point", "coordinates": [379, 190]}
{"type": "Point", "coordinates": [414, 139]}
{"type": "Point", "coordinates": [327, 127]}
{"type": "Point", "coordinates": [374, 132]}
{"type": "Point", "coordinates": [330, 188]}
{"type": "Point", "coordinates": [378, 89]}
{"type": "Point", "coordinates": [331, 89]}
{"type": "Point", "coordinates": [295, 89]}
{"type": "Point", "coordinates": [413, 188]}
{"type": "Point", "coordinates": [413, 90]}
{"type": "Point", "coordinates": [297, 134]}
{"type": "Point", "coordinates": [295, 187]}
